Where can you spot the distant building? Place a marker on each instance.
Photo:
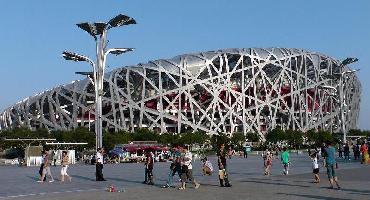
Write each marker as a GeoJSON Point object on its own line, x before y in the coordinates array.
{"type": "Point", "coordinates": [231, 90]}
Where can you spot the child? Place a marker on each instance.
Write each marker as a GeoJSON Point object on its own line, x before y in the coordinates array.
{"type": "Point", "coordinates": [285, 160]}
{"type": "Point", "coordinates": [315, 168]}
{"type": "Point", "coordinates": [207, 167]}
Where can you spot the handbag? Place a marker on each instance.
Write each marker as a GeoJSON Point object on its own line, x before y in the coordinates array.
{"type": "Point", "coordinates": [221, 173]}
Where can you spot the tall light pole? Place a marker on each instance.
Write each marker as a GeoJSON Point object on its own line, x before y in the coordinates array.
{"type": "Point", "coordinates": [99, 31]}
{"type": "Point", "coordinates": [340, 91]}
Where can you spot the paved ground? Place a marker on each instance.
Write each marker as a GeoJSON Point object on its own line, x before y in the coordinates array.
{"type": "Point", "coordinates": [245, 174]}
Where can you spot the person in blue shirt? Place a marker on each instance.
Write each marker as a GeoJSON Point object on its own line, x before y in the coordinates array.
{"type": "Point", "coordinates": [330, 163]}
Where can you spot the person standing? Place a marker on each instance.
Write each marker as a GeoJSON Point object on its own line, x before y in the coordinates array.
{"type": "Point", "coordinates": [330, 163]}
{"type": "Point", "coordinates": [365, 153]}
{"type": "Point", "coordinates": [315, 167]}
{"type": "Point", "coordinates": [99, 164]}
{"type": "Point", "coordinates": [222, 166]}
{"type": "Point", "coordinates": [346, 151]}
{"type": "Point", "coordinates": [340, 150]}
{"type": "Point", "coordinates": [245, 152]}
{"type": "Point", "coordinates": [149, 164]}
{"type": "Point", "coordinates": [46, 169]}
{"type": "Point", "coordinates": [285, 160]}
{"type": "Point", "coordinates": [65, 164]}
{"type": "Point", "coordinates": [187, 170]}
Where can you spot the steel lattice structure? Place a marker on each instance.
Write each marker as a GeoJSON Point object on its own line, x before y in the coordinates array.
{"type": "Point", "coordinates": [232, 90]}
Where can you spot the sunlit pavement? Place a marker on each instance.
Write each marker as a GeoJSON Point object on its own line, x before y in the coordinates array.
{"type": "Point", "coordinates": [245, 175]}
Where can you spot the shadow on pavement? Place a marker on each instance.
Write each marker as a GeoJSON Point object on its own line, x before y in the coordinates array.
{"type": "Point", "coordinates": [285, 184]}
{"type": "Point", "coordinates": [313, 196]}
{"type": "Point", "coordinates": [83, 177]}
{"type": "Point", "coordinates": [34, 178]}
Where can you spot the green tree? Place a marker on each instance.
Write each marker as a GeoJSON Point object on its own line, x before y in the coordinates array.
{"type": "Point", "coordinates": [252, 137]}
{"type": "Point", "coordinates": [171, 139]}
{"type": "Point", "coordinates": [294, 138]}
{"type": "Point", "coordinates": [318, 138]}
{"type": "Point", "coordinates": [114, 138]}
{"type": "Point", "coordinates": [144, 134]}
{"type": "Point", "coordinates": [238, 140]}
{"type": "Point", "coordinates": [217, 140]}
{"type": "Point", "coordinates": [276, 135]}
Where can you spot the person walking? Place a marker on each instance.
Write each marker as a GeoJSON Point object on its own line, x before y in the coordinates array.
{"type": "Point", "coordinates": [65, 164]}
{"type": "Point", "coordinates": [46, 168]}
{"type": "Point", "coordinates": [187, 170]}
{"type": "Point", "coordinates": [175, 167]}
{"type": "Point", "coordinates": [330, 163]}
{"type": "Point", "coordinates": [222, 166]}
{"type": "Point", "coordinates": [315, 168]}
{"type": "Point", "coordinates": [285, 160]}
{"type": "Point", "coordinates": [99, 164]}
{"type": "Point", "coordinates": [149, 164]}
{"type": "Point", "coordinates": [267, 162]}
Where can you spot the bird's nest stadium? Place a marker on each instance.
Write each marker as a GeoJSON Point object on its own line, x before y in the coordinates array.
{"type": "Point", "coordinates": [231, 90]}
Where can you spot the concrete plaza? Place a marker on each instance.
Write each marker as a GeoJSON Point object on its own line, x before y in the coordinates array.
{"type": "Point", "coordinates": [245, 175]}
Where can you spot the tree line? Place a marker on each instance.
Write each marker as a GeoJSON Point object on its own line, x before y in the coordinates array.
{"type": "Point", "coordinates": [292, 138]}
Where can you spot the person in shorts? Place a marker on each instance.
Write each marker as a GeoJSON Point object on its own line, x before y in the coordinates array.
{"type": "Point", "coordinates": [330, 165]}
{"type": "Point", "coordinates": [285, 161]}
{"type": "Point", "coordinates": [315, 168]}
{"type": "Point", "coordinates": [65, 164]}
{"type": "Point", "coordinates": [222, 167]}
{"type": "Point", "coordinates": [46, 168]}
{"type": "Point", "coordinates": [187, 170]}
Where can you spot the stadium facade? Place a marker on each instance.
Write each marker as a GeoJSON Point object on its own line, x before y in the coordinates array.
{"type": "Point", "coordinates": [231, 90]}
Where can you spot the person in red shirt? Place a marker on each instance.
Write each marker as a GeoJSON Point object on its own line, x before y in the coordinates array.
{"type": "Point", "coordinates": [365, 153]}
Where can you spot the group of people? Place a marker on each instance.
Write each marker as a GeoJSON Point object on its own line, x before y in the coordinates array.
{"type": "Point", "coordinates": [328, 155]}
{"type": "Point", "coordinates": [45, 168]}
{"type": "Point", "coordinates": [359, 150]}
{"type": "Point", "coordinates": [182, 166]}
{"type": "Point", "coordinates": [268, 157]}
{"type": "Point", "coordinates": [327, 152]}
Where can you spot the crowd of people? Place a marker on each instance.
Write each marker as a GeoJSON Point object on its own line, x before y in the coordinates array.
{"type": "Point", "coordinates": [181, 164]}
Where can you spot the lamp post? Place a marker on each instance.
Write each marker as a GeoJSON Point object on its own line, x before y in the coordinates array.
{"type": "Point", "coordinates": [99, 31]}
{"type": "Point", "coordinates": [342, 99]}
{"type": "Point", "coordinates": [340, 91]}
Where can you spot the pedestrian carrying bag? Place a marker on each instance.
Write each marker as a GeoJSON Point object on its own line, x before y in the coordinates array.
{"type": "Point", "coordinates": [221, 173]}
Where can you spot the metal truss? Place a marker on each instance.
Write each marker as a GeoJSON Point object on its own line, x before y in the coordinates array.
{"type": "Point", "coordinates": [232, 90]}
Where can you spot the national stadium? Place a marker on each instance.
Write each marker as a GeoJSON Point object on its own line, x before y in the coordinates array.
{"type": "Point", "coordinates": [224, 91]}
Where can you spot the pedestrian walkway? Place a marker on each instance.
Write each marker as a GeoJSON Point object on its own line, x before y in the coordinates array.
{"type": "Point", "coordinates": [246, 176]}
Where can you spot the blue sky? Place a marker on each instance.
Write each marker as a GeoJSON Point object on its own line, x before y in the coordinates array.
{"type": "Point", "coordinates": [34, 33]}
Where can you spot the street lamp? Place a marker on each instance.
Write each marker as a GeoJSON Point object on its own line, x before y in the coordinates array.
{"type": "Point", "coordinates": [340, 91]}
{"type": "Point", "coordinates": [98, 31]}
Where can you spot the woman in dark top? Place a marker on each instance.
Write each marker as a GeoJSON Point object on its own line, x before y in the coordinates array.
{"type": "Point", "coordinates": [223, 175]}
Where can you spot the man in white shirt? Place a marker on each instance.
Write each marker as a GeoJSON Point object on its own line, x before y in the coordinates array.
{"type": "Point", "coordinates": [187, 170]}
{"type": "Point", "coordinates": [99, 165]}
